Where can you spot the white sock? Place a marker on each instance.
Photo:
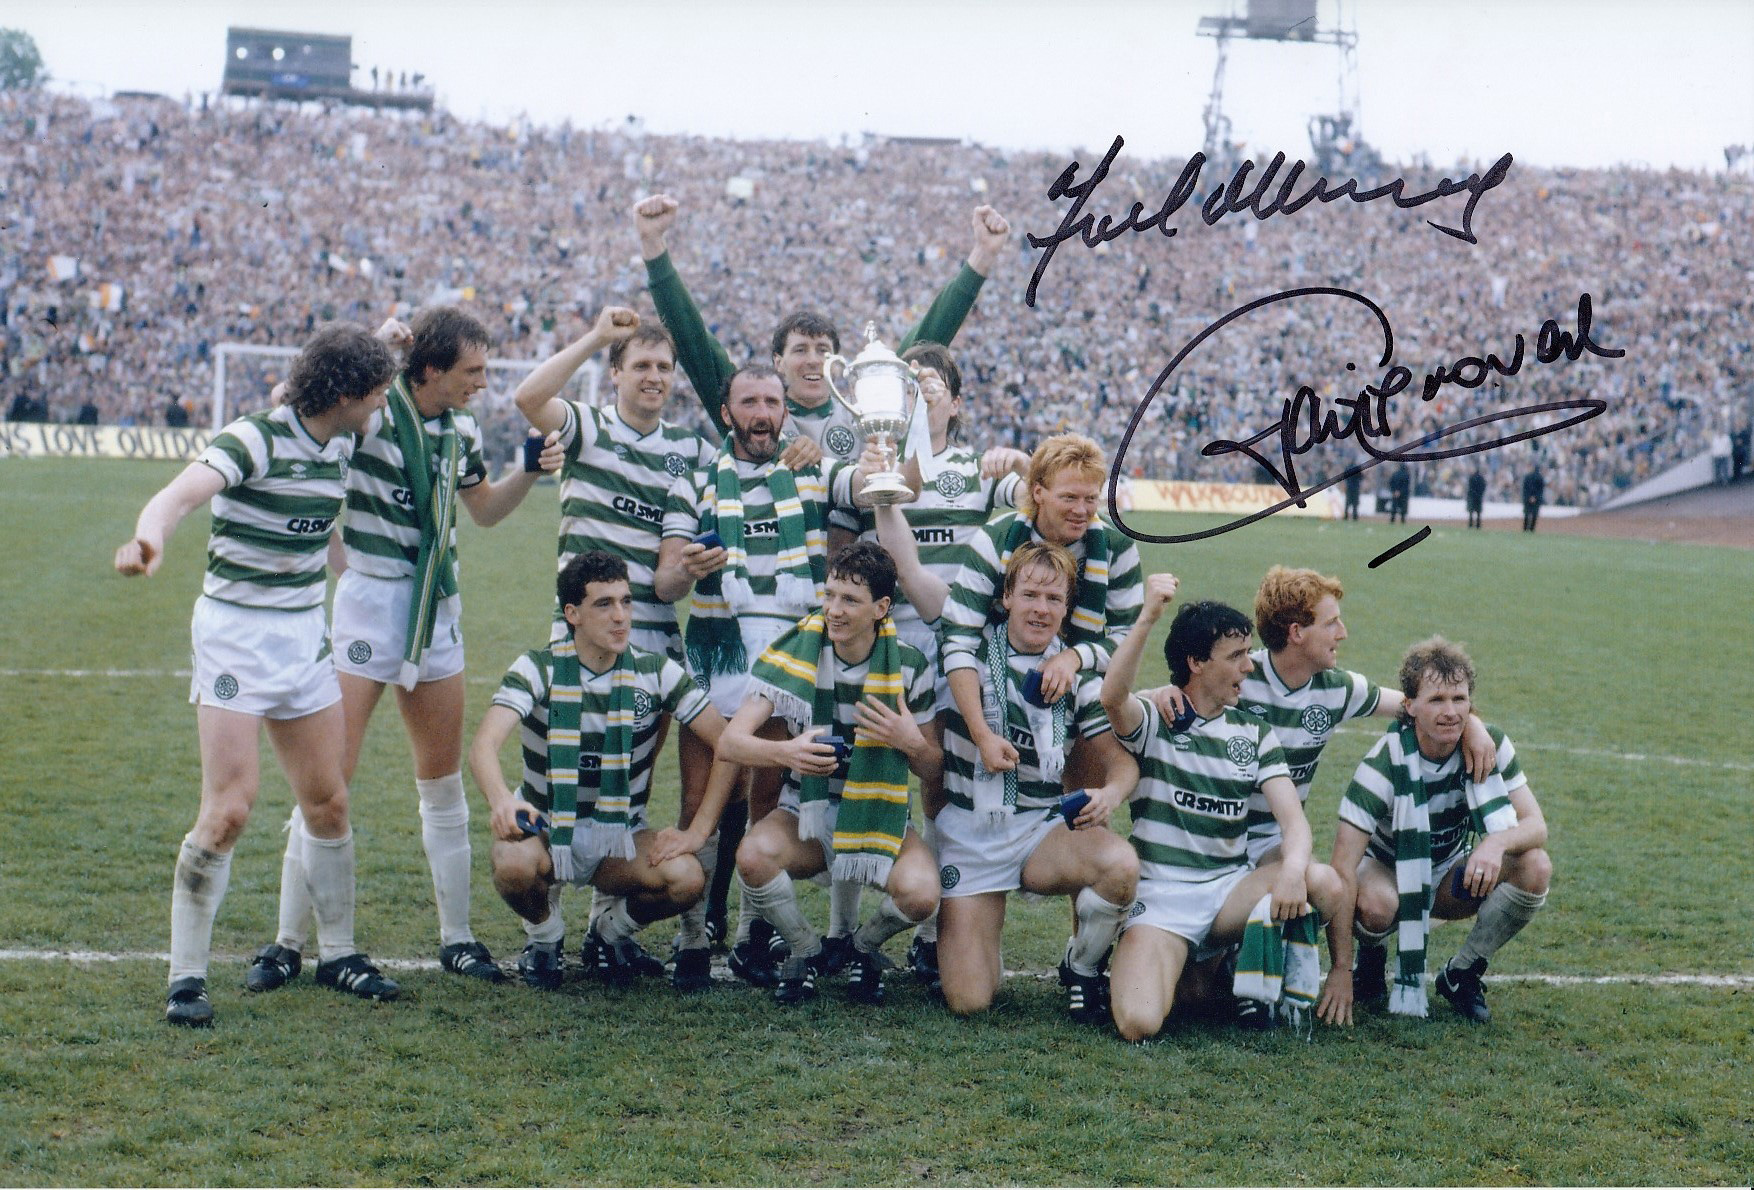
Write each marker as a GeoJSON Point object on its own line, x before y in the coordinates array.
{"type": "Point", "coordinates": [691, 922]}
{"type": "Point", "coordinates": [196, 892]}
{"type": "Point", "coordinates": [885, 924]}
{"type": "Point", "coordinates": [444, 830]}
{"type": "Point", "coordinates": [551, 928]}
{"type": "Point", "coordinates": [1099, 922]}
{"type": "Point", "coordinates": [746, 913]}
{"type": "Point", "coordinates": [843, 906]}
{"type": "Point", "coordinates": [927, 931]}
{"type": "Point", "coordinates": [329, 870]}
{"type": "Point", "coordinates": [295, 896]}
{"type": "Point", "coordinates": [777, 901]}
{"type": "Point", "coordinates": [615, 922]}
{"type": "Point", "coordinates": [1506, 910]}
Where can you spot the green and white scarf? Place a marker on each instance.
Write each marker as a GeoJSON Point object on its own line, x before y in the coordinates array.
{"type": "Point", "coordinates": [995, 794]}
{"type": "Point", "coordinates": [1089, 619]}
{"type": "Point", "coordinates": [435, 510]}
{"type": "Point", "coordinates": [872, 816]}
{"type": "Point", "coordinates": [712, 639]}
{"type": "Point", "coordinates": [1280, 963]}
{"type": "Point", "coordinates": [609, 830]}
{"type": "Point", "coordinates": [1410, 820]}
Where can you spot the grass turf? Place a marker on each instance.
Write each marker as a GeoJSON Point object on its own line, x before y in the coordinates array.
{"type": "Point", "coordinates": [1635, 743]}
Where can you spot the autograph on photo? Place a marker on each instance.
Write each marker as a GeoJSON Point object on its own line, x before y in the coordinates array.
{"type": "Point", "coordinates": [1304, 423]}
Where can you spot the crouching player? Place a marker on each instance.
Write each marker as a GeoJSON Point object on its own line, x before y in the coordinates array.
{"type": "Point", "coordinates": [261, 642]}
{"type": "Point", "coordinates": [1419, 839]}
{"type": "Point", "coordinates": [859, 704]}
{"type": "Point", "coordinates": [1001, 828]}
{"type": "Point", "coordinates": [1190, 810]}
{"type": "Point", "coordinates": [588, 709]}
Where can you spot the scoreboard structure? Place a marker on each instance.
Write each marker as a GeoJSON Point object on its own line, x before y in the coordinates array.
{"type": "Point", "coordinates": [281, 64]}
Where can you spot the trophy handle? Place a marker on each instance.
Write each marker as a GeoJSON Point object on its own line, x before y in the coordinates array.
{"type": "Point", "coordinates": [834, 389]}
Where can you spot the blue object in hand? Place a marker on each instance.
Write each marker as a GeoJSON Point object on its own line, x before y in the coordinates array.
{"type": "Point", "coordinates": [711, 540]}
{"type": "Point", "coordinates": [533, 453]}
{"type": "Point", "coordinates": [1073, 805]}
{"type": "Point", "coordinates": [1032, 689]}
{"type": "Point", "coordinates": [529, 825]}
{"type": "Point", "coordinates": [1457, 889]}
{"type": "Point", "coordinates": [1186, 719]}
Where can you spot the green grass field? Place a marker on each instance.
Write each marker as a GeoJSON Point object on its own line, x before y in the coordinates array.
{"type": "Point", "coordinates": [1620, 669]}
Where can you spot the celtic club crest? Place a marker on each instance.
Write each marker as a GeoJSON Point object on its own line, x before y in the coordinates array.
{"type": "Point", "coordinates": [1317, 720]}
{"type": "Point", "coordinates": [950, 484]}
{"type": "Point", "coordinates": [949, 876]}
{"type": "Point", "coordinates": [225, 687]}
{"type": "Point", "coordinates": [642, 704]}
{"type": "Point", "coordinates": [359, 652]}
{"type": "Point", "coordinates": [1241, 751]}
{"type": "Point", "coordinates": [676, 465]}
{"type": "Point", "coordinates": [840, 441]}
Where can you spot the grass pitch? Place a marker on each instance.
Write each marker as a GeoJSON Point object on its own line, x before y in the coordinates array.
{"type": "Point", "coordinates": [1618, 668]}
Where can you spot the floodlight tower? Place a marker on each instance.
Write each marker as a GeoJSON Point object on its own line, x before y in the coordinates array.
{"type": "Point", "coordinates": [1281, 20]}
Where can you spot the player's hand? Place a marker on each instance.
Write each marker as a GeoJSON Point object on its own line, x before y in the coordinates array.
{"type": "Point", "coordinates": [1104, 801]}
{"type": "Point", "coordinates": [553, 454]}
{"type": "Point", "coordinates": [998, 754]}
{"type": "Point", "coordinates": [139, 556]}
{"type": "Point", "coordinates": [807, 755]}
{"type": "Point", "coordinates": [653, 217]}
{"type": "Point", "coordinates": [1290, 895]}
{"type": "Point", "coordinates": [615, 324]}
{"type": "Point", "coordinates": [1170, 702]}
{"type": "Point", "coordinates": [700, 561]}
{"type": "Point", "coordinates": [1335, 1006]}
{"type": "Point", "coordinates": [1003, 460]}
{"type": "Point", "coordinates": [1483, 868]}
{"type": "Point", "coordinates": [1160, 592]}
{"type": "Point", "coordinates": [800, 452]}
{"type": "Point", "coordinates": [1059, 677]}
{"type": "Point", "coordinates": [504, 819]}
{"type": "Point", "coordinates": [990, 233]}
{"type": "Point", "coordinates": [672, 843]}
{"type": "Point", "coordinates": [888, 725]}
{"type": "Point", "coordinates": [395, 333]}
{"type": "Point", "coordinates": [1479, 753]}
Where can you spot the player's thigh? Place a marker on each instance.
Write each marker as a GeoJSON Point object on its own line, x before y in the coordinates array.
{"type": "Point", "coordinates": [969, 965]}
{"type": "Point", "coordinates": [626, 877]}
{"type": "Point", "coordinates": [1066, 861]}
{"type": "Point", "coordinates": [1143, 974]}
{"type": "Point", "coordinates": [310, 752]}
{"type": "Point", "coordinates": [359, 698]}
{"type": "Point", "coordinates": [433, 714]}
{"type": "Point", "coordinates": [1240, 901]}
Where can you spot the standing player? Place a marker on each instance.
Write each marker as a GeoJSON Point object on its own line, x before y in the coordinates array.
{"type": "Point", "coordinates": [261, 644]}
{"type": "Point", "coordinates": [805, 339]}
{"type": "Point", "coordinates": [398, 615]}
{"type": "Point", "coordinates": [1002, 829]}
{"type": "Point", "coordinates": [840, 675]}
{"type": "Point", "coordinates": [588, 708]}
{"type": "Point", "coordinates": [1419, 839]}
{"type": "Point", "coordinates": [1196, 885]}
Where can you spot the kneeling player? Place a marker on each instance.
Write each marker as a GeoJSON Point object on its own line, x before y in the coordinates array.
{"type": "Point", "coordinates": [589, 710]}
{"type": "Point", "coordinates": [1190, 810]}
{"type": "Point", "coordinates": [1001, 828]}
{"type": "Point", "coordinates": [1404, 842]}
{"type": "Point", "coordinates": [840, 675]}
{"type": "Point", "coordinates": [261, 644]}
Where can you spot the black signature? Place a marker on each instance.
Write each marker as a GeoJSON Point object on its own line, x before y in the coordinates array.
{"type": "Point", "coordinates": [1305, 424]}
{"type": "Point", "coordinates": [1237, 196]}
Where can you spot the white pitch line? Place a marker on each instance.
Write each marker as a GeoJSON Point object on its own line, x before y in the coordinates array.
{"type": "Point", "coordinates": [148, 956]}
{"type": "Point", "coordinates": [1734, 766]}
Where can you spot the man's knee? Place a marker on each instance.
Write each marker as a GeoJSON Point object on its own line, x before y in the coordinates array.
{"type": "Point", "coordinates": [222, 820]}
{"type": "Point", "coordinates": [965, 997]}
{"type": "Point", "coordinates": [1136, 1021]}
{"type": "Point", "coordinates": [1376, 909]}
{"type": "Point", "coordinates": [684, 880]}
{"type": "Point", "coordinates": [1533, 871]}
{"type": "Point", "coordinates": [915, 895]}
{"type": "Point", "coordinates": [1324, 885]}
{"type": "Point", "coordinates": [1117, 871]}
{"type": "Point", "coordinates": [522, 875]}
{"type": "Point", "coordinates": [758, 857]}
{"type": "Point", "coordinates": [325, 808]}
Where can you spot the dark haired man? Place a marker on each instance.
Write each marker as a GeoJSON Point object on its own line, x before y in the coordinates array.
{"type": "Point", "coordinates": [804, 340]}
{"type": "Point", "coordinates": [1190, 809]}
{"type": "Point", "coordinates": [588, 709]}
{"type": "Point", "coordinates": [276, 481]}
{"type": "Point", "coordinates": [398, 615]}
{"type": "Point", "coordinates": [1418, 838]}
{"type": "Point", "coordinates": [840, 673]}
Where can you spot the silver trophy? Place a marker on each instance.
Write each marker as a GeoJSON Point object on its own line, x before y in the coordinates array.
{"type": "Point", "coordinates": [884, 391]}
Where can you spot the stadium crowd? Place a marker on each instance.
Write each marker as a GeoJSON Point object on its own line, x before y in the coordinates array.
{"type": "Point", "coordinates": [256, 224]}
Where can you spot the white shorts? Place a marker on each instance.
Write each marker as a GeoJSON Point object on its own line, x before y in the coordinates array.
{"type": "Point", "coordinates": [585, 870]}
{"type": "Point", "coordinates": [1259, 844]}
{"type": "Point", "coordinates": [974, 858]}
{"type": "Point", "coordinates": [371, 627]}
{"type": "Point", "coordinates": [1183, 907]}
{"type": "Point", "coordinates": [257, 661]}
{"type": "Point", "coordinates": [729, 691]}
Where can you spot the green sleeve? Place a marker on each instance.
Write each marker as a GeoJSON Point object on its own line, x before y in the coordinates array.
{"type": "Point", "coordinates": [703, 359]}
{"type": "Point", "coordinates": [946, 315]}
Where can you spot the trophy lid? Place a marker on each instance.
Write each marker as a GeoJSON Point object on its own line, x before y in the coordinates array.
{"type": "Point", "coordinates": [875, 350]}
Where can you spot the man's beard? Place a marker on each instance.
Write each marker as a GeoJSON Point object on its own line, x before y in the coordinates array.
{"type": "Point", "coordinates": [761, 450]}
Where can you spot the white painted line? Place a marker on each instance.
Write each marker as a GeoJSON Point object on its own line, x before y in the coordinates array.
{"type": "Point", "coordinates": [148, 956]}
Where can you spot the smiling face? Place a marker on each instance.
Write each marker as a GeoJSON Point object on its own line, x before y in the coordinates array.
{"type": "Point", "coordinates": [851, 614]}
{"type": "Point", "coordinates": [643, 380]}
{"type": "Point", "coordinates": [451, 389]}
{"type": "Point", "coordinates": [800, 364]}
{"type": "Point", "coordinates": [1065, 504]}
{"type": "Point", "coordinates": [1440, 713]}
{"type": "Point", "coordinates": [1036, 602]}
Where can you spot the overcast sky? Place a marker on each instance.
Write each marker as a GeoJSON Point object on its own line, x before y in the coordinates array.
{"type": "Point", "coordinates": [1556, 82]}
